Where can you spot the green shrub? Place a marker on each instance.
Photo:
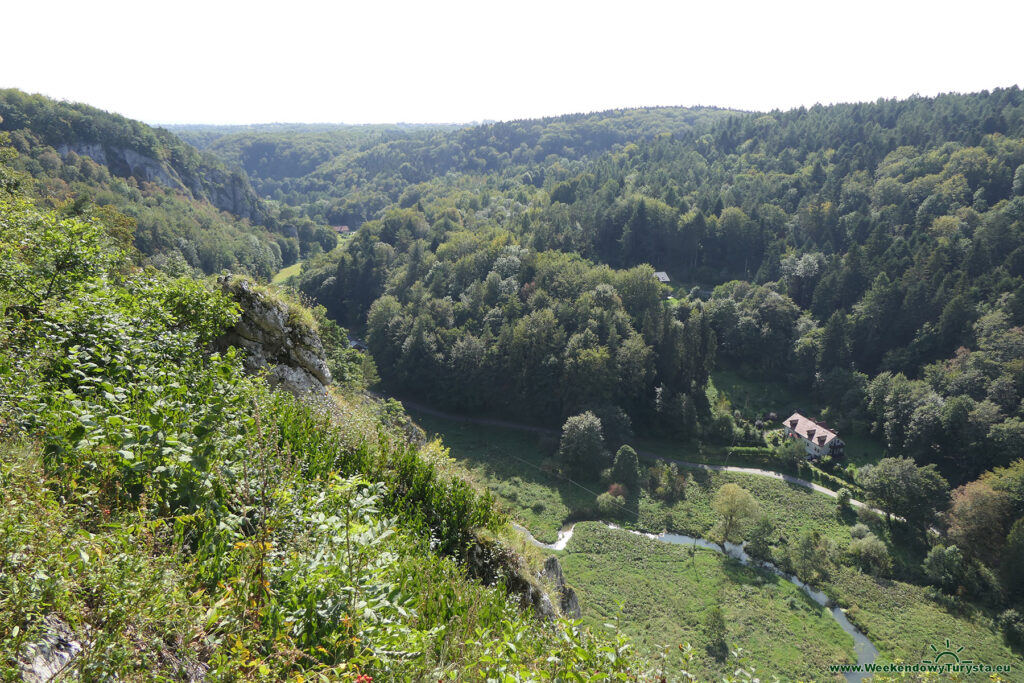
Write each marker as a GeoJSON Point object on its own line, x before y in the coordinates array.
{"type": "Point", "coordinates": [843, 499]}
{"type": "Point", "coordinates": [1011, 623]}
{"type": "Point", "coordinates": [870, 554]}
{"type": "Point", "coordinates": [610, 505]}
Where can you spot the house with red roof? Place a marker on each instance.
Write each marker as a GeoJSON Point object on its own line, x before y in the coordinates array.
{"type": "Point", "coordinates": [816, 436]}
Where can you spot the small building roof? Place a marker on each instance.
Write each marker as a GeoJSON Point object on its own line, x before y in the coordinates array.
{"type": "Point", "coordinates": [806, 428]}
{"type": "Point", "coordinates": [662, 276]}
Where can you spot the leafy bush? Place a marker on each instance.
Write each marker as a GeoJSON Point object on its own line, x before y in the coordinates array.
{"type": "Point", "coordinates": [1011, 623]}
{"type": "Point", "coordinates": [843, 497]}
{"type": "Point", "coordinates": [665, 482]}
{"type": "Point", "coordinates": [626, 470]}
{"type": "Point", "coordinates": [610, 505]}
{"type": "Point", "coordinates": [581, 449]}
{"type": "Point", "coordinates": [870, 554]}
{"type": "Point", "coordinates": [946, 567]}
{"type": "Point", "coordinates": [617, 491]}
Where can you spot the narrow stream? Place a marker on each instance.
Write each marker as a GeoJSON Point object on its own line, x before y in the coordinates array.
{"type": "Point", "coordinates": [864, 648]}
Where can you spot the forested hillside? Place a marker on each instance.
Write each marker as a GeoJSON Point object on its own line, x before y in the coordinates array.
{"type": "Point", "coordinates": [875, 250]}
{"type": "Point", "coordinates": [863, 260]}
{"type": "Point", "coordinates": [345, 175]}
{"type": "Point", "coordinates": [189, 210]}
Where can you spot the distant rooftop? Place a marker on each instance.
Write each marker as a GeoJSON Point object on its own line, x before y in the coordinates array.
{"type": "Point", "coordinates": [662, 276]}
{"type": "Point", "coordinates": [806, 428]}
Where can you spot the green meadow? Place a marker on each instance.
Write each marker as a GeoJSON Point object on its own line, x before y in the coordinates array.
{"type": "Point", "coordinates": [660, 595]}
{"type": "Point", "coordinates": [665, 593]}
{"type": "Point", "coordinates": [284, 274]}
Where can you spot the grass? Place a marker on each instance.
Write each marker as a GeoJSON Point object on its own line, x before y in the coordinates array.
{"type": "Point", "coordinates": [512, 465]}
{"type": "Point", "coordinates": [754, 398]}
{"type": "Point", "coordinates": [794, 509]}
{"type": "Point", "coordinates": [903, 622]}
{"type": "Point", "coordinates": [605, 566]}
{"type": "Point", "coordinates": [285, 273]}
{"type": "Point", "coordinates": [662, 595]}
{"type": "Point", "coordinates": [863, 449]}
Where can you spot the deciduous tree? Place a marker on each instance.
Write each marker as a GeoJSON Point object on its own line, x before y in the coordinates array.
{"type": "Point", "coordinates": [735, 507]}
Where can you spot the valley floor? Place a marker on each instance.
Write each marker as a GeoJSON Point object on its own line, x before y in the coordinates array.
{"type": "Point", "coordinates": [660, 595]}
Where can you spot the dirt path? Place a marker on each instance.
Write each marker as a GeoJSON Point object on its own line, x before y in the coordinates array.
{"type": "Point", "coordinates": [646, 455]}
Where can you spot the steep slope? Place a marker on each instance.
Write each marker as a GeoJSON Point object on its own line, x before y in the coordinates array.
{"type": "Point", "coordinates": [128, 149]}
{"type": "Point", "coordinates": [190, 211]}
{"type": "Point", "coordinates": [824, 247]}
{"type": "Point", "coordinates": [166, 514]}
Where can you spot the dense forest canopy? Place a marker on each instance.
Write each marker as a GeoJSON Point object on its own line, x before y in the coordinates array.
{"type": "Point", "coordinates": [869, 253]}
{"type": "Point", "coordinates": [345, 175]}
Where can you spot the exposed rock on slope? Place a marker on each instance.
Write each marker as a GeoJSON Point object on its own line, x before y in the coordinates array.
{"type": "Point", "coordinates": [568, 602]}
{"type": "Point", "coordinates": [227, 190]}
{"type": "Point", "coordinates": [47, 659]}
{"type": "Point", "coordinates": [491, 561]}
{"type": "Point", "coordinates": [275, 339]}
{"type": "Point", "coordinates": [125, 162]}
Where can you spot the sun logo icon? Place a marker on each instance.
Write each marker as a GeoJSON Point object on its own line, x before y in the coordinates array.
{"type": "Point", "coordinates": [947, 652]}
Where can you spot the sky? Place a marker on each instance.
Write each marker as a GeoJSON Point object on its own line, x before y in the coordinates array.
{"type": "Point", "coordinates": [454, 61]}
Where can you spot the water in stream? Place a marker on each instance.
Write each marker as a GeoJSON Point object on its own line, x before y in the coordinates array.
{"type": "Point", "coordinates": [864, 648]}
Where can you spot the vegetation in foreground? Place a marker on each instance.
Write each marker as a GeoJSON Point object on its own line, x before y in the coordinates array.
{"type": "Point", "coordinates": [176, 516]}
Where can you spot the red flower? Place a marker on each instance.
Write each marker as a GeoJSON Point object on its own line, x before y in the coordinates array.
{"type": "Point", "coordinates": [364, 678]}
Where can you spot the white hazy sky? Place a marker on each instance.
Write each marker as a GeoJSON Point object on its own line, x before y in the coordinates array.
{"type": "Point", "coordinates": [459, 61]}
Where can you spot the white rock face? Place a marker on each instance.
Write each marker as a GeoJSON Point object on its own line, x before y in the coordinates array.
{"type": "Point", "coordinates": [227, 191]}
{"type": "Point", "coordinates": [292, 356]}
{"type": "Point", "coordinates": [46, 659]}
{"type": "Point", "coordinates": [126, 162]}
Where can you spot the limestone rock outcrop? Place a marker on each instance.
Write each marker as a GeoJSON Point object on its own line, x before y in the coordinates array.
{"type": "Point", "coordinates": [226, 189]}
{"type": "Point", "coordinates": [491, 561]}
{"type": "Point", "coordinates": [275, 340]}
{"type": "Point", "coordinates": [568, 602]}
{"type": "Point", "coordinates": [46, 659]}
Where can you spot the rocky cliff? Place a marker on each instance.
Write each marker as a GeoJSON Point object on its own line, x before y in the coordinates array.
{"type": "Point", "coordinates": [275, 339]}
{"type": "Point", "coordinates": [227, 190]}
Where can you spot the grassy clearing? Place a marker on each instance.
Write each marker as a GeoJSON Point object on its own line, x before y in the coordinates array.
{"type": "Point", "coordinates": [282, 275]}
{"type": "Point", "coordinates": [903, 623]}
{"type": "Point", "coordinates": [693, 451]}
{"type": "Point", "coordinates": [794, 509]}
{"type": "Point", "coordinates": [664, 595]}
{"type": "Point", "coordinates": [756, 398]}
{"type": "Point", "coordinates": [512, 465]}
